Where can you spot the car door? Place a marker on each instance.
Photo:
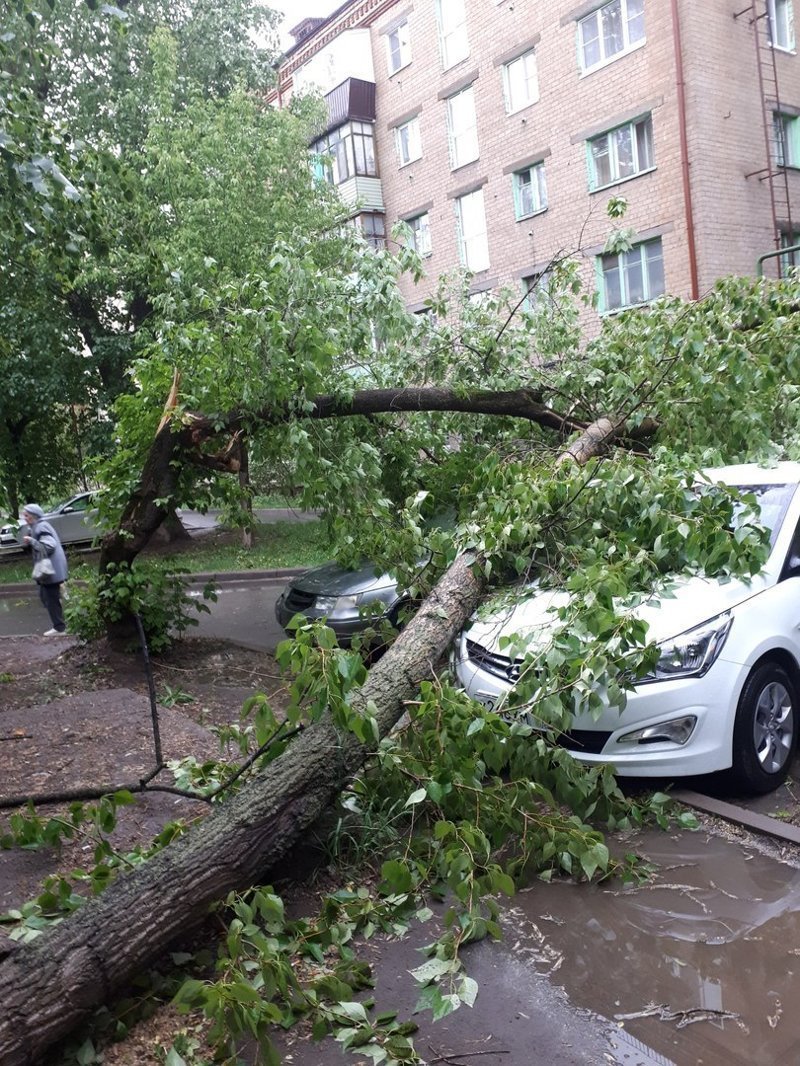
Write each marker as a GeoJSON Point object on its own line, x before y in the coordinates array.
{"type": "Point", "coordinates": [70, 523]}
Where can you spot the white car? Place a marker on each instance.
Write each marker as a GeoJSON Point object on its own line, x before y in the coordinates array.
{"type": "Point", "coordinates": [724, 694]}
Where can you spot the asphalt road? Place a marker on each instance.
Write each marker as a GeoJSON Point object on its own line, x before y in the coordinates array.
{"type": "Point", "coordinates": [244, 612]}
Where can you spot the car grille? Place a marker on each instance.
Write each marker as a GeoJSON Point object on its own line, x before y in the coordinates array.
{"type": "Point", "coordinates": [584, 741]}
{"type": "Point", "coordinates": [297, 600]}
{"type": "Point", "coordinates": [496, 665]}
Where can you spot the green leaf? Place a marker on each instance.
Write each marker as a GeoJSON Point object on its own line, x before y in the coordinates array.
{"type": "Point", "coordinates": [353, 1010]}
{"type": "Point", "coordinates": [416, 797]}
{"type": "Point", "coordinates": [433, 969]}
{"type": "Point", "coordinates": [468, 991]}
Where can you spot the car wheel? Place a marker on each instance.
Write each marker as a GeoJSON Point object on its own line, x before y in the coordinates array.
{"type": "Point", "coordinates": [765, 730]}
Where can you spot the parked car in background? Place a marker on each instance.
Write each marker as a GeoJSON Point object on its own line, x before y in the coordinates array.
{"type": "Point", "coordinates": [724, 694]}
{"type": "Point", "coordinates": [75, 521]}
{"type": "Point", "coordinates": [350, 601]}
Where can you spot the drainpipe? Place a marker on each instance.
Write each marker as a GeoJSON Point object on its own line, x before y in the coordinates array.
{"type": "Point", "coordinates": [680, 86]}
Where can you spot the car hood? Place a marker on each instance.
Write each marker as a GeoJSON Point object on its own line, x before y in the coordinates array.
{"type": "Point", "coordinates": [690, 602]}
{"type": "Point", "coordinates": [331, 579]}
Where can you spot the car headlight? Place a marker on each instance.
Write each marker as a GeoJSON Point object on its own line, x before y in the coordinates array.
{"type": "Point", "coordinates": [337, 605]}
{"type": "Point", "coordinates": [691, 654]}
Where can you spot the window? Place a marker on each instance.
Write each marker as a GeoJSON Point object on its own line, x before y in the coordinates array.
{"type": "Point", "coordinates": [633, 277]}
{"type": "Point", "coordinates": [472, 239]}
{"type": "Point", "coordinates": [530, 191]}
{"type": "Point", "coordinates": [409, 145]}
{"type": "Point", "coordinates": [610, 31]}
{"type": "Point", "coordinates": [791, 259]}
{"type": "Point", "coordinates": [351, 151]}
{"type": "Point", "coordinates": [482, 300]}
{"type": "Point", "coordinates": [463, 128]}
{"type": "Point", "coordinates": [520, 83]}
{"type": "Point", "coordinates": [538, 290]}
{"type": "Point", "coordinates": [373, 228]}
{"type": "Point", "coordinates": [621, 153]}
{"type": "Point", "coordinates": [786, 135]}
{"type": "Point", "coordinates": [780, 24]}
{"type": "Point", "coordinates": [398, 44]}
{"type": "Point", "coordinates": [452, 32]}
{"type": "Point", "coordinates": [421, 233]}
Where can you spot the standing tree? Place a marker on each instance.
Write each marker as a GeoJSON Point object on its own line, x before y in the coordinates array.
{"type": "Point", "coordinates": [82, 230]}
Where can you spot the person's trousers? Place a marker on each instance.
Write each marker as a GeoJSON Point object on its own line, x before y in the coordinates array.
{"type": "Point", "coordinates": [50, 595]}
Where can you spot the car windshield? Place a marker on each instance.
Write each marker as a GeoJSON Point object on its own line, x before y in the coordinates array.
{"type": "Point", "coordinates": [772, 503]}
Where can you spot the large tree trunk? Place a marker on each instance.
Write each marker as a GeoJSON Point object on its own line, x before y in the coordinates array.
{"type": "Point", "coordinates": [51, 984]}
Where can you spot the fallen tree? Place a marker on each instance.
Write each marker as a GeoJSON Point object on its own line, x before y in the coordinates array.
{"type": "Point", "coordinates": [51, 984]}
{"type": "Point", "coordinates": [188, 444]}
{"type": "Point", "coordinates": [47, 986]}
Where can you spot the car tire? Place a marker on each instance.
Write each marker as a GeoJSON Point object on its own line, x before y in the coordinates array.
{"type": "Point", "coordinates": [765, 730]}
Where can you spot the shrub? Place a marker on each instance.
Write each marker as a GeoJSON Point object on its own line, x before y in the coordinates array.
{"type": "Point", "coordinates": [162, 601]}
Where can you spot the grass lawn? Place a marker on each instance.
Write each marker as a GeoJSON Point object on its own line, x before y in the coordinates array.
{"type": "Point", "coordinates": [277, 545]}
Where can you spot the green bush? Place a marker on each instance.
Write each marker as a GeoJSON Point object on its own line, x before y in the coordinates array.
{"type": "Point", "coordinates": [161, 600]}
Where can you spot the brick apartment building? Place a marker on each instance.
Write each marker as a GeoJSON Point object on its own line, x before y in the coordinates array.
{"type": "Point", "coordinates": [499, 129]}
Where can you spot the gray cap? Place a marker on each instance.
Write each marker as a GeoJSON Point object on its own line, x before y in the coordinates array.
{"type": "Point", "coordinates": [34, 509]}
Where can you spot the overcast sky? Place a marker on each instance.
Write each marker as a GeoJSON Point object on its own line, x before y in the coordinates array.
{"type": "Point", "coordinates": [295, 11]}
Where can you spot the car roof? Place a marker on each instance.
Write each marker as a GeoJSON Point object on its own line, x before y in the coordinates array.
{"type": "Point", "coordinates": [785, 473]}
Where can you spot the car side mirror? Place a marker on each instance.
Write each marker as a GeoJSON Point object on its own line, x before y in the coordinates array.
{"type": "Point", "coordinates": [68, 510]}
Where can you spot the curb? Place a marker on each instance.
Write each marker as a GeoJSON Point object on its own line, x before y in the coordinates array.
{"type": "Point", "coordinates": [224, 578]}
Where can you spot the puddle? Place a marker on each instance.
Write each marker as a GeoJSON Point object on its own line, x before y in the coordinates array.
{"type": "Point", "coordinates": [710, 950]}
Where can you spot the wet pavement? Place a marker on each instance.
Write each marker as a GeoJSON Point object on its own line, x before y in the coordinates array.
{"type": "Point", "coordinates": [698, 966]}
{"type": "Point", "coordinates": [701, 964]}
{"type": "Point", "coordinates": [244, 613]}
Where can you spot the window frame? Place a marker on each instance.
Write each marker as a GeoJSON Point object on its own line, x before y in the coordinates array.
{"type": "Point", "coordinates": [790, 260]}
{"type": "Point", "coordinates": [414, 141]}
{"type": "Point", "coordinates": [469, 130]}
{"type": "Point", "coordinates": [403, 49]}
{"type": "Point", "coordinates": [450, 32]}
{"type": "Point", "coordinates": [538, 187]}
{"type": "Point", "coordinates": [511, 108]}
{"type": "Point", "coordinates": [374, 235]}
{"type": "Point", "coordinates": [622, 270]}
{"type": "Point", "coordinates": [781, 17]}
{"type": "Point", "coordinates": [628, 45]}
{"type": "Point", "coordinates": [340, 146]}
{"type": "Point", "coordinates": [613, 152]}
{"type": "Point", "coordinates": [787, 145]}
{"type": "Point", "coordinates": [537, 290]}
{"type": "Point", "coordinates": [420, 227]}
{"type": "Point", "coordinates": [479, 235]}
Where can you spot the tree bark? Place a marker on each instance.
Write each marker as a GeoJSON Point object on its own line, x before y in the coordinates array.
{"type": "Point", "coordinates": [246, 495]}
{"type": "Point", "coordinates": [48, 986]}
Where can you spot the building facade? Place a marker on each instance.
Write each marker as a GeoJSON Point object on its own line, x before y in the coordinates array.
{"type": "Point", "coordinates": [499, 130]}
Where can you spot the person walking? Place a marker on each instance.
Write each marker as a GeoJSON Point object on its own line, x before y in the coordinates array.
{"type": "Point", "coordinates": [49, 565]}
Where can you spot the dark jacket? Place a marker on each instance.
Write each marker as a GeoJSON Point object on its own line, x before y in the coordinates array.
{"type": "Point", "coordinates": [46, 545]}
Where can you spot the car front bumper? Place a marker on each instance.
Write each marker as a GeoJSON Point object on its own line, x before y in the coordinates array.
{"type": "Point", "coordinates": [345, 628]}
{"type": "Point", "coordinates": [712, 700]}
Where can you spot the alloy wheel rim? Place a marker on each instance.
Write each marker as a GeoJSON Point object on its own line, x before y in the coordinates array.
{"type": "Point", "coordinates": [773, 727]}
